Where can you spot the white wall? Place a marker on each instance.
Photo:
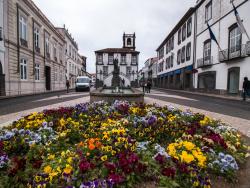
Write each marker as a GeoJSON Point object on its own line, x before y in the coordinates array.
{"type": "Point", "coordinates": [175, 50]}
{"type": "Point", "coordinates": [123, 69]}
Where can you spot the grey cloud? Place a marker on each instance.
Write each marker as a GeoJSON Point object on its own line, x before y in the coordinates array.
{"type": "Point", "coordinates": [97, 24]}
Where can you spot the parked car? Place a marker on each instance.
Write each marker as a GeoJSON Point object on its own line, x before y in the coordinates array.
{"type": "Point", "coordinates": [82, 83]}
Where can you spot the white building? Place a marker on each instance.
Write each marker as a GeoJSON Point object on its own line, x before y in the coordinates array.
{"type": "Point", "coordinates": [175, 55]}
{"type": "Point", "coordinates": [149, 71]}
{"type": "Point", "coordinates": [222, 71]}
{"type": "Point", "coordinates": [2, 76]}
{"type": "Point", "coordinates": [127, 58]}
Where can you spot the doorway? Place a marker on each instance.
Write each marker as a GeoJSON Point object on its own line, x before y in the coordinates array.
{"type": "Point", "coordinates": [48, 78]}
{"type": "Point", "coordinates": [233, 80]}
{"type": "Point", "coordinates": [2, 81]}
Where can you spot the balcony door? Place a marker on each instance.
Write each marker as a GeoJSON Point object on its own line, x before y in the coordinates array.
{"type": "Point", "coordinates": [233, 80]}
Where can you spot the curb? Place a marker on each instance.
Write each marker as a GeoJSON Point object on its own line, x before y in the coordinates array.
{"type": "Point", "coordinates": [203, 94]}
{"type": "Point", "coordinates": [32, 94]}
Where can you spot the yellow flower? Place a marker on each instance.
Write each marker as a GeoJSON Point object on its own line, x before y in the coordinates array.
{"type": "Point", "coordinates": [38, 178]}
{"type": "Point", "coordinates": [188, 145]}
{"type": "Point", "coordinates": [69, 160]}
{"type": "Point", "coordinates": [68, 169]}
{"type": "Point", "coordinates": [104, 158]}
{"type": "Point", "coordinates": [58, 169]}
{"type": "Point", "coordinates": [187, 158]}
{"type": "Point", "coordinates": [47, 169]}
{"type": "Point", "coordinates": [51, 157]}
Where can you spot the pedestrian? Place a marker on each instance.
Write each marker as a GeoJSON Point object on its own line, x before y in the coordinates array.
{"type": "Point", "coordinates": [67, 85]}
{"type": "Point", "coordinates": [143, 86]}
{"type": "Point", "coordinates": [246, 88]}
{"type": "Point", "coordinates": [149, 85]}
{"type": "Point", "coordinates": [146, 87]}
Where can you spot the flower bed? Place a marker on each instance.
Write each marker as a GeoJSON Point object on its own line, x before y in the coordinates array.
{"type": "Point", "coordinates": [118, 145]}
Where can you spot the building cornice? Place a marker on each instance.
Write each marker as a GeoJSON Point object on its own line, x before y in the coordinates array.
{"type": "Point", "coordinates": [39, 13]}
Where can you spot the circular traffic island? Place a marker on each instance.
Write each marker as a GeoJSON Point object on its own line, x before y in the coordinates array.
{"type": "Point", "coordinates": [121, 145]}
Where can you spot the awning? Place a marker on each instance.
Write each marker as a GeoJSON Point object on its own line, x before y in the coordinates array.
{"type": "Point", "coordinates": [189, 68]}
{"type": "Point", "coordinates": [177, 71]}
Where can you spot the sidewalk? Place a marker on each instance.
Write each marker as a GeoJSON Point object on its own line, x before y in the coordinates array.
{"type": "Point", "coordinates": [227, 97]}
{"type": "Point", "coordinates": [33, 94]}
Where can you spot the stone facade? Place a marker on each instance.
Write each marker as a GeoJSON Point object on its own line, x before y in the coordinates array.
{"type": "Point", "coordinates": [127, 58]}
{"type": "Point", "coordinates": [34, 50]}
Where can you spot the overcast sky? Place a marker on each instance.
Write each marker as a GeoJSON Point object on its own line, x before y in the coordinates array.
{"type": "Point", "coordinates": [98, 24]}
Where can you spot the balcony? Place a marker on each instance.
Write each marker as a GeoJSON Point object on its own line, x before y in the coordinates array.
{"type": "Point", "coordinates": [37, 49]}
{"type": "Point", "coordinates": [24, 42]}
{"type": "Point", "coordinates": [229, 54]}
{"type": "Point", "coordinates": [204, 62]}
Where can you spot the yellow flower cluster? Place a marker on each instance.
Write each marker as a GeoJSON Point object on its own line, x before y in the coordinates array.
{"type": "Point", "coordinates": [187, 152]}
{"type": "Point", "coordinates": [205, 121]}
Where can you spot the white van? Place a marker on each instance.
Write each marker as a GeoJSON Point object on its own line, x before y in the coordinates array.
{"type": "Point", "coordinates": [82, 83]}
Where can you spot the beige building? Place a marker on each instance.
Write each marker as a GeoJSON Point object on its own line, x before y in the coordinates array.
{"type": "Point", "coordinates": [34, 50]}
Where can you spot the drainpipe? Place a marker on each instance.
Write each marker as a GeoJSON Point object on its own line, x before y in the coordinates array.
{"type": "Point", "coordinates": [33, 27]}
{"type": "Point", "coordinates": [18, 50]}
{"type": "Point", "coordinates": [194, 48]}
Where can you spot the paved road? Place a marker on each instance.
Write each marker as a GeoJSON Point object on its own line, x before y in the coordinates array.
{"type": "Point", "coordinates": [228, 107]}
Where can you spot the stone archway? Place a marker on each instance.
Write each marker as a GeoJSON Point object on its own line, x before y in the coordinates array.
{"type": "Point", "coordinates": [2, 81]}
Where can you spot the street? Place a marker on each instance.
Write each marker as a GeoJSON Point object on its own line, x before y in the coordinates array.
{"type": "Point", "coordinates": [235, 113]}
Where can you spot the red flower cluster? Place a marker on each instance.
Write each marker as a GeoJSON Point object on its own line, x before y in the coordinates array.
{"type": "Point", "coordinates": [170, 172]}
{"type": "Point", "coordinates": [84, 165]}
{"type": "Point", "coordinates": [217, 139]}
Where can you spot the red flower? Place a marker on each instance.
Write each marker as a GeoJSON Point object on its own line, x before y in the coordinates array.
{"type": "Point", "coordinates": [160, 159]}
{"type": "Point", "coordinates": [110, 166]}
{"type": "Point", "coordinates": [115, 178]}
{"type": "Point", "coordinates": [84, 166]}
{"type": "Point", "coordinates": [170, 172]}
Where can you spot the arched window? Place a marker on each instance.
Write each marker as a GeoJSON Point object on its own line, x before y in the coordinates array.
{"type": "Point", "coordinates": [129, 41]}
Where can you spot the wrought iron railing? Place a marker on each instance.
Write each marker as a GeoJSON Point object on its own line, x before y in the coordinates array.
{"type": "Point", "coordinates": [206, 61]}
{"type": "Point", "coordinates": [234, 52]}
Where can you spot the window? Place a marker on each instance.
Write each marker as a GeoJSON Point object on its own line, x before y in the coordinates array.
{"type": "Point", "coordinates": [188, 51]}
{"type": "Point", "coordinates": [128, 71]}
{"type": "Point", "coordinates": [234, 39]}
{"type": "Point", "coordinates": [123, 59]}
{"type": "Point", "coordinates": [166, 66]}
{"type": "Point", "coordinates": [55, 51]}
{"type": "Point", "coordinates": [23, 28]}
{"type": "Point", "coordinates": [184, 31]}
{"type": "Point", "coordinates": [129, 41]}
{"type": "Point", "coordinates": [1, 33]}
{"type": "Point", "coordinates": [110, 59]}
{"type": "Point", "coordinates": [179, 36]}
{"type": "Point", "coordinates": [23, 69]}
{"type": "Point", "coordinates": [70, 50]}
{"type": "Point", "coordinates": [37, 72]}
{"type": "Point", "coordinates": [207, 50]}
{"type": "Point", "coordinates": [167, 47]}
{"type": "Point", "coordinates": [134, 59]}
{"type": "Point", "coordinates": [172, 60]}
{"type": "Point", "coordinates": [47, 50]}
{"type": "Point", "coordinates": [161, 53]}
{"type": "Point", "coordinates": [208, 11]}
{"type": "Point", "coordinates": [99, 59]}
{"type": "Point", "coordinates": [189, 27]}
{"type": "Point", "coordinates": [60, 53]}
{"type": "Point", "coordinates": [172, 46]}
{"type": "Point", "coordinates": [183, 54]}
{"type": "Point", "coordinates": [36, 38]}
{"type": "Point", "coordinates": [105, 70]}
{"type": "Point", "coordinates": [179, 57]}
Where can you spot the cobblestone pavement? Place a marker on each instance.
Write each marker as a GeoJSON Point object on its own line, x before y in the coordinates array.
{"type": "Point", "coordinates": [234, 113]}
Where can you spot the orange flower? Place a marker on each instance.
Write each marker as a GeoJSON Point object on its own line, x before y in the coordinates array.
{"type": "Point", "coordinates": [91, 141]}
{"type": "Point", "coordinates": [80, 144]}
{"type": "Point", "coordinates": [98, 144]}
{"type": "Point", "coordinates": [91, 146]}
